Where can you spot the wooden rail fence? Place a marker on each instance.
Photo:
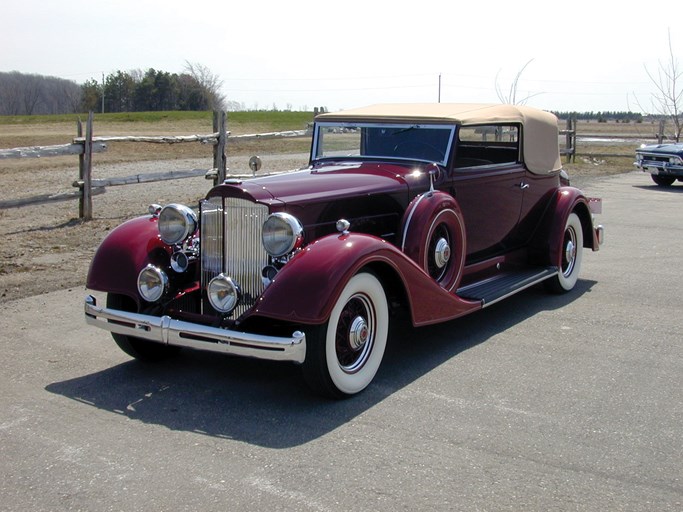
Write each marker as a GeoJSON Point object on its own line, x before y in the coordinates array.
{"type": "Point", "coordinates": [570, 144]}
{"type": "Point", "coordinates": [84, 145]}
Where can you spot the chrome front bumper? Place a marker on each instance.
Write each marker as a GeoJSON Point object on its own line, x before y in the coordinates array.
{"type": "Point", "coordinates": [660, 168]}
{"type": "Point", "coordinates": [166, 330]}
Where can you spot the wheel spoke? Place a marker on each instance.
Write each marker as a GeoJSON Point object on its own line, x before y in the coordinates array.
{"type": "Point", "coordinates": [354, 334]}
{"type": "Point", "coordinates": [569, 256]}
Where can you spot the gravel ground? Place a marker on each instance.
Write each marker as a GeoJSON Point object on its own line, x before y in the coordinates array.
{"type": "Point", "coordinates": [46, 247]}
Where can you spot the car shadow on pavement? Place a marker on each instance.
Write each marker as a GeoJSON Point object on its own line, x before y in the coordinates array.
{"type": "Point", "coordinates": [268, 404]}
{"type": "Point", "coordinates": [656, 188]}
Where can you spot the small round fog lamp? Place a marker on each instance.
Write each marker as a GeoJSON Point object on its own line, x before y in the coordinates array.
{"type": "Point", "coordinates": [224, 294]}
{"type": "Point", "coordinates": [152, 283]}
{"type": "Point", "coordinates": [179, 262]}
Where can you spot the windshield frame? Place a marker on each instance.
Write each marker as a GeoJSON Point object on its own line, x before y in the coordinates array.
{"type": "Point", "coordinates": [321, 130]}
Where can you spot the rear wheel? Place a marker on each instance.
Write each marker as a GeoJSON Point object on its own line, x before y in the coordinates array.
{"type": "Point", "coordinates": [571, 257]}
{"type": "Point", "coordinates": [663, 181]}
{"type": "Point", "coordinates": [143, 350]}
{"type": "Point", "coordinates": [344, 354]}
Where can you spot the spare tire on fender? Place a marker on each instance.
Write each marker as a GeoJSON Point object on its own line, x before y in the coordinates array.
{"type": "Point", "coordinates": [433, 235]}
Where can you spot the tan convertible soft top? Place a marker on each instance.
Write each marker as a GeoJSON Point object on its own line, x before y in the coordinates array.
{"type": "Point", "coordinates": [540, 132]}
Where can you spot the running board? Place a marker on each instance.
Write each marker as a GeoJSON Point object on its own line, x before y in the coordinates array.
{"type": "Point", "coordinates": [503, 285]}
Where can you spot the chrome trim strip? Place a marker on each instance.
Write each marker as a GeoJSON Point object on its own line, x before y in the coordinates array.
{"type": "Point", "coordinates": [318, 138]}
{"type": "Point", "coordinates": [186, 334]}
{"type": "Point", "coordinates": [529, 283]}
{"type": "Point", "coordinates": [211, 239]}
{"type": "Point", "coordinates": [521, 288]}
{"type": "Point", "coordinates": [410, 217]}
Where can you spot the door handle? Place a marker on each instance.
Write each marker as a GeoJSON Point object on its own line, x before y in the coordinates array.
{"type": "Point", "coordinates": [523, 186]}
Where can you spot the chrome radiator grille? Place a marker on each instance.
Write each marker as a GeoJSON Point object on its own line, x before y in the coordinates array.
{"type": "Point", "coordinates": [230, 243]}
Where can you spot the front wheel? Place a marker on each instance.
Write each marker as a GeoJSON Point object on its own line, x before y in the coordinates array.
{"type": "Point", "coordinates": [344, 354]}
{"type": "Point", "coordinates": [663, 181]}
{"type": "Point", "coordinates": [571, 257]}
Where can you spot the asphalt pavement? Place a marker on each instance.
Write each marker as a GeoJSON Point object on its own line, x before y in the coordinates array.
{"type": "Point", "coordinates": [537, 403]}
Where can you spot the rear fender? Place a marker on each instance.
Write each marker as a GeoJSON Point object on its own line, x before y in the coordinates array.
{"type": "Point", "coordinates": [307, 288]}
{"type": "Point", "coordinates": [547, 242]}
{"type": "Point", "coordinates": [123, 253]}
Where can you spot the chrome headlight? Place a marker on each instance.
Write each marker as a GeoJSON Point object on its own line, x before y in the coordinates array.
{"type": "Point", "coordinates": [152, 283]}
{"type": "Point", "coordinates": [282, 233]}
{"type": "Point", "coordinates": [176, 223]}
{"type": "Point", "coordinates": [224, 293]}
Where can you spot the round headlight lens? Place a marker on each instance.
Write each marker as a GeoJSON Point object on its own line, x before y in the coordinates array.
{"type": "Point", "coordinates": [176, 223]}
{"type": "Point", "coordinates": [224, 294]}
{"type": "Point", "coordinates": [282, 233]}
{"type": "Point", "coordinates": [152, 283]}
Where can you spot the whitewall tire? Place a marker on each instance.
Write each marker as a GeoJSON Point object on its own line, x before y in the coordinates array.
{"type": "Point", "coordinates": [571, 256]}
{"type": "Point", "coordinates": [344, 354]}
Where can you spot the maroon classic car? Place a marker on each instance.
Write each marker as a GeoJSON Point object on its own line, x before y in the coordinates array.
{"type": "Point", "coordinates": [435, 210]}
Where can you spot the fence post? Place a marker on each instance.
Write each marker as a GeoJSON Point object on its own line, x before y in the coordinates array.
{"type": "Point", "coordinates": [574, 138]}
{"type": "Point", "coordinates": [570, 139]}
{"type": "Point", "coordinates": [81, 169]}
{"type": "Point", "coordinates": [85, 171]}
{"type": "Point", "coordinates": [219, 150]}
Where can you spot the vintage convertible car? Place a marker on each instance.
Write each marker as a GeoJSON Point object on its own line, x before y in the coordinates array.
{"type": "Point", "coordinates": [431, 210]}
{"type": "Point", "coordinates": [664, 162]}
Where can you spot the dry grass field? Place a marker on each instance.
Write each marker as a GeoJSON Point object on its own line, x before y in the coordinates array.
{"type": "Point", "coordinates": [46, 247]}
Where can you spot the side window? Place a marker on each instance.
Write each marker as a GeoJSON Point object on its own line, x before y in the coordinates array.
{"type": "Point", "coordinates": [487, 145]}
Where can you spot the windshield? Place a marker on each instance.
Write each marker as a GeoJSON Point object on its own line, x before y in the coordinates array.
{"type": "Point", "coordinates": [430, 143]}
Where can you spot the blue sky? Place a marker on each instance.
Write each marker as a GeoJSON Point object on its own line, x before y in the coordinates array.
{"type": "Point", "coordinates": [582, 55]}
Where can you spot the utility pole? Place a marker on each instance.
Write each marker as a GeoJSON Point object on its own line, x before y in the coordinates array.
{"type": "Point", "coordinates": [439, 87]}
{"type": "Point", "coordinates": [103, 93]}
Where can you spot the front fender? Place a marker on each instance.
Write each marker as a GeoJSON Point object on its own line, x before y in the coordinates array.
{"type": "Point", "coordinates": [307, 288]}
{"type": "Point", "coordinates": [123, 253]}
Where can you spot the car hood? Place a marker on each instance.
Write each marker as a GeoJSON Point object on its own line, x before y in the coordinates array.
{"type": "Point", "coordinates": [676, 148]}
{"type": "Point", "coordinates": [326, 181]}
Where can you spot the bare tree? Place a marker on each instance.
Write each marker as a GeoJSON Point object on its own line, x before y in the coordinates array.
{"type": "Point", "coordinates": [10, 93]}
{"type": "Point", "coordinates": [668, 98]}
{"type": "Point", "coordinates": [26, 94]}
{"type": "Point", "coordinates": [71, 98]}
{"type": "Point", "coordinates": [210, 82]}
{"type": "Point", "coordinates": [32, 90]}
{"type": "Point", "coordinates": [511, 96]}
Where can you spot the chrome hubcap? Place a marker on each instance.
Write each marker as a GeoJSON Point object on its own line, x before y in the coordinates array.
{"type": "Point", "coordinates": [442, 253]}
{"type": "Point", "coordinates": [569, 252]}
{"type": "Point", "coordinates": [359, 333]}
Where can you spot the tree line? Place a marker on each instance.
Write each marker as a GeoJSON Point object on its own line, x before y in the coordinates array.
{"type": "Point", "coordinates": [603, 117]}
{"type": "Point", "coordinates": [28, 94]}
{"type": "Point", "coordinates": [197, 88]}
